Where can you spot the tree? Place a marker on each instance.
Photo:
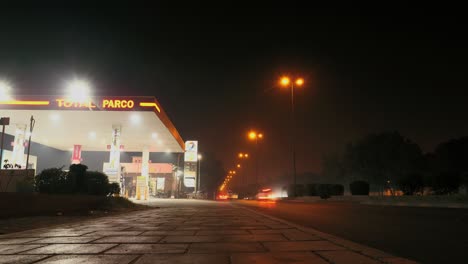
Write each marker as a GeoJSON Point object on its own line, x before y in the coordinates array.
{"type": "Point", "coordinates": [411, 183]}
{"type": "Point", "coordinates": [77, 178]}
{"type": "Point", "coordinates": [380, 158]}
{"type": "Point", "coordinates": [450, 166]}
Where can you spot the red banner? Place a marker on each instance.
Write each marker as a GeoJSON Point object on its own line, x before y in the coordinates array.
{"type": "Point", "coordinates": [76, 157]}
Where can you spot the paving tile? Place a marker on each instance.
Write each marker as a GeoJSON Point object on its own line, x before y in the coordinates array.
{"type": "Point", "coordinates": [168, 233]}
{"type": "Point", "coordinates": [346, 257]}
{"type": "Point", "coordinates": [129, 239]}
{"type": "Point", "coordinates": [71, 249]}
{"type": "Point", "coordinates": [116, 233]}
{"type": "Point", "coordinates": [395, 260]}
{"type": "Point", "coordinates": [64, 240]}
{"type": "Point", "coordinates": [297, 235]}
{"type": "Point", "coordinates": [89, 259]}
{"type": "Point", "coordinates": [225, 247]}
{"type": "Point", "coordinates": [266, 231]}
{"type": "Point", "coordinates": [13, 249]}
{"type": "Point", "coordinates": [59, 233]}
{"type": "Point", "coordinates": [275, 258]}
{"type": "Point", "coordinates": [190, 239]}
{"type": "Point", "coordinates": [148, 249]}
{"type": "Point", "coordinates": [12, 241]}
{"type": "Point", "coordinates": [301, 246]}
{"type": "Point", "coordinates": [184, 259]}
{"type": "Point", "coordinates": [223, 232]}
{"type": "Point", "coordinates": [278, 226]}
{"type": "Point", "coordinates": [20, 259]}
{"type": "Point", "coordinates": [254, 238]}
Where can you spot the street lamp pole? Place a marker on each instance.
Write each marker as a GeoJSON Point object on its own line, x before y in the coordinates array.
{"type": "Point", "coordinates": [285, 81]}
{"type": "Point", "coordinates": [293, 132]}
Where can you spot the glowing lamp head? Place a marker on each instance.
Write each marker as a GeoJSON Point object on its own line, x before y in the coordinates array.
{"type": "Point", "coordinates": [199, 157]}
{"type": "Point", "coordinates": [5, 91]}
{"type": "Point", "coordinates": [252, 135]}
{"type": "Point", "coordinates": [260, 136]}
{"type": "Point", "coordinates": [78, 90]}
{"type": "Point", "coordinates": [285, 81]}
{"type": "Point", "coordinates": [238, 165]}
{"type": "Point", "coordinates": [246, 155]}
{"type": "Point", "coordinates": [299, 82]}
{"type": "Point", "coordinates": [241, 155]}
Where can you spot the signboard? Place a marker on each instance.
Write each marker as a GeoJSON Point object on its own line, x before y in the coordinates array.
{"type": "Point", "coordinates": [190, 174]}
{"type": "Point", "coordinates": [76, 156]}
{"type": "Point", "coordinates": [141, 187]}
{"type": "Point", "coordinates": [190, 163]}
{"type": "Point", "coordinates": [191, 151]}
{"type": "Point", "coordinates": [160, 183]}
{"type": "Point", "coordinates": [112, 103]}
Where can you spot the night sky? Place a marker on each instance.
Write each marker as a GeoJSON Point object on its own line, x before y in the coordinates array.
{"type": "Point", "coordinates": [215, 70]}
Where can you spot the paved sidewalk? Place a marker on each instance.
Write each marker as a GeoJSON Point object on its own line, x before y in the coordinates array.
{"type": "Point", "coordinates": [216, 233]}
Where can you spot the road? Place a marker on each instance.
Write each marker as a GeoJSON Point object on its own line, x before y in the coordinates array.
{"type": "Point", "coordinates": [428, 235]}
{"type": "Point", "coordinates": [182, 231]}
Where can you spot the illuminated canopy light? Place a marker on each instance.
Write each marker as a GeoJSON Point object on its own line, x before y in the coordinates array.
{"type": "Point", "coordinates": [78, 91]}
{"type": "Point", "coordinates": [135, 118]}
{"type": "Point", "coordinates": [92, 135]}
{"type": "Point", "coordinates": [199, 157]}
{"type": "Point", "coordinates": [54, 117]}
{"type": "Point", "coordinates": [5, 91]}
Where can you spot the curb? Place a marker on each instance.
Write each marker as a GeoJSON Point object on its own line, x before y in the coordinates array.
{"type": "Point", "coordinates": [373, 253]}
{"type": "Point", "coordinates": [428, 205]}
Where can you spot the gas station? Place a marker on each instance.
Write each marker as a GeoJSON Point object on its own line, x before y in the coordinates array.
{"type": "Point", "coordinates": [131, 139]}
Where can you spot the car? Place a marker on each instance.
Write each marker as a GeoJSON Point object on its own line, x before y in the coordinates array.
{"type": "Point", "coordinates": [265, 194]}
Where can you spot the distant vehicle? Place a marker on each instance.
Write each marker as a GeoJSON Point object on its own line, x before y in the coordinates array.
{"type": "Point", "coordinates": [222, 196]}
{"type": "Point", "coordinates": [265, 194]}
{"type": "Point", "coordinates": [225, 196]}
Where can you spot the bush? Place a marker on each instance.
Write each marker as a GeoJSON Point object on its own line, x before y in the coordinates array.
{"type": "Point", "coordinates": [323, 191]}
{"type": "Point", "coordinates": [359, 188]}
{"type": "Point", "coordinates": [411, 183]}
{"type": "Point", "coordinates": [446, 183]}
{"type": "Point", "coordinates": [337, 190]}
{"type": "Point", "coordinates": [26, 185]}
{"type": "Point", "coordinates": [312, 189]}
{"type": "Point", "coordinates": [114, 188]}
{"type": "Point", "coordinates": [77, 178]}
{"type": "Point", "coordinates": [316, 189]}
{"type": "Point", "coordinates": [300, 190]}
{"type": "Point", "coordinates": [97, 183]}
{"type": "Point", "coordinates": [53, 180]}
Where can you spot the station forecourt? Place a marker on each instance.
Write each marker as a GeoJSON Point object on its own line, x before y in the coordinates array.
{"type": "Point", "coordinates": [131, 139]}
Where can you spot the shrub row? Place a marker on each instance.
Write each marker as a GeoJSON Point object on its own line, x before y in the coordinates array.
{"type": "Point", "coordinates": [327, 190]}
{"type": "Point", "coordinates": [76, 180]}
{"type": "Point", "coordinates": [317, 189]}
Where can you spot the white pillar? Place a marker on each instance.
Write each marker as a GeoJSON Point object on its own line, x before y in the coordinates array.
{"type": "Point", "coordinates": [114, 159]}
{"type": "Point", "coordinates": [145, 171]}
{"type": "Point", "coordinates": [17, 156]}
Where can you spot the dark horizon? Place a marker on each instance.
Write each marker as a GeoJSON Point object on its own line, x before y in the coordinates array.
{"type": "Point", "coordinates": [215, 71]}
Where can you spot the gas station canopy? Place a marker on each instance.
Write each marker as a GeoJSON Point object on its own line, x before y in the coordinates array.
{"type": "Point", "coordinates": [60, 123]}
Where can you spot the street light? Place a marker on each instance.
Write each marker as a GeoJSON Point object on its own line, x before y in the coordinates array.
{"type": "Point", "coordinates": [78, 90]}
{"type": "Point", "coordinates": [5, 91]}
{"type": "Point", "coordinates": [285, 81]}
{"type": "Point", "coordinates": [255, 136]}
